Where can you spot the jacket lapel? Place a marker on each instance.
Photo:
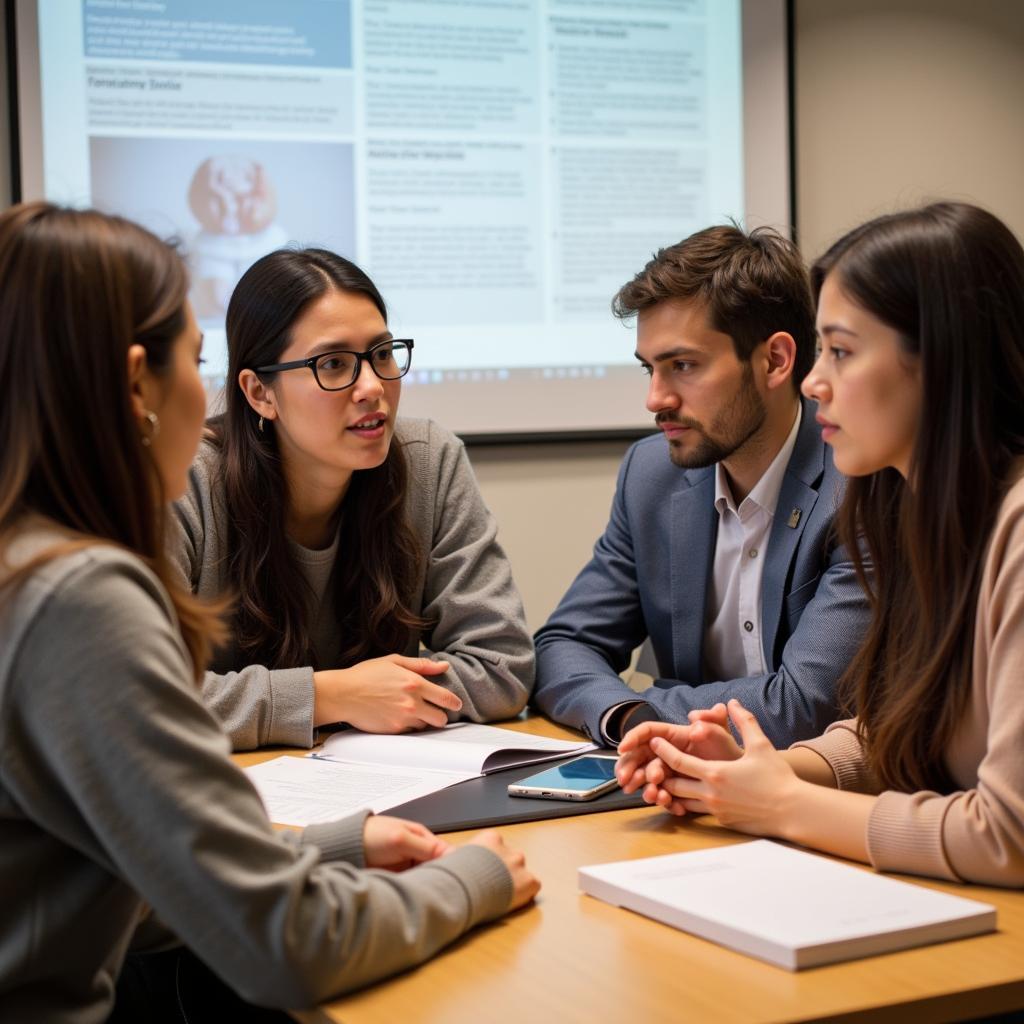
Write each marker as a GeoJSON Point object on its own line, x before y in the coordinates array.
{"type": "Point", "coordinates": [694, 529]}
{"type": "Point", "coordinates": [797, 499]}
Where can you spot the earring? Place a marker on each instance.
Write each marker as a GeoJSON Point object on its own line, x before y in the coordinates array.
{"type": "Point", "coordinates": [154, 428]}
{"type": "Point", "coordinates": [259, 426]}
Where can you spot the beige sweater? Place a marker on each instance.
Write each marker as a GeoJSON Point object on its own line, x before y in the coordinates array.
{"type": "Point", "coordinates": [977, 833]}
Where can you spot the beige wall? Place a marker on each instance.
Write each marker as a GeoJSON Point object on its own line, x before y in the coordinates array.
{"type": "Point", "coordinates": [551, 502]}
{"type": "Point", "coordinates": [897, 101]}
{"type": "Point", "coordinates": [900, 101]}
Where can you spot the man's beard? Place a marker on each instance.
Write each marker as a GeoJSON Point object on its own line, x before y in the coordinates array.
{"type": "Point", "coordinates": [732, 427]}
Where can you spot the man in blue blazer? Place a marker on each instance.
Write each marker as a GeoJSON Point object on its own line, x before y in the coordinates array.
{"type": "Point", "coordinates": [720, 549]}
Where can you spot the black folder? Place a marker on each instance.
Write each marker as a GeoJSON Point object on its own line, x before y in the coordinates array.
{"type": "Point", "coordinates": [484, 802]}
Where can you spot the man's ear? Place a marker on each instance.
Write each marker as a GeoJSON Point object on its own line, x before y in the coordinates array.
{"type": "Point", "coordinates": [257, 394]}
{"type": "Point", "coordinates": [780, 356]}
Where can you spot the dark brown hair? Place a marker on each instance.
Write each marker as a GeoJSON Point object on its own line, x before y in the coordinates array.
{"type": "Point", "coordinates": [77, 289]}
{"type": "Point", "coordinates": [378, 559]}
{"type": "Point", "coordinates": [753, 284]}
{"type": "Point", "coordinates": [950, 279]}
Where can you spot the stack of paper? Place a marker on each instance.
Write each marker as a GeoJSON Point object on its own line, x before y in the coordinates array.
{"type": "Point", "coordinates": [790, 908]}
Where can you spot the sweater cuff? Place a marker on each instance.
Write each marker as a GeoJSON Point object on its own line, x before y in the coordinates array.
{"type": "Point", "coordinates": [483, 876]}
{"type": "Point", "coordinates": [339, 840]}
{"type": "Point", "coordinates": [291, 708]}
{"type": "Point", "coordinates": [840, 747]}
{"type": "Point", "coordinates": [905, 834]}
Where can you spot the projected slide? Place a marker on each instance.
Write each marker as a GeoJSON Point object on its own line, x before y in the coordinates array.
{"type": "Point", "coordinates": [499, 167]}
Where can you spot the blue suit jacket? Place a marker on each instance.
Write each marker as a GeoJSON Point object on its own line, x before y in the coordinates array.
{"type": "Point", "coordinates": [649, 577]}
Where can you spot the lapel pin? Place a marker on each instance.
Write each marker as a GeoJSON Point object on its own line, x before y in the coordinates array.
{"type": "Point", "coordinates": [794, 519]}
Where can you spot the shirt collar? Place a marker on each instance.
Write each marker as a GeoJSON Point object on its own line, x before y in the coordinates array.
{"type": "Point", "coordinates": [765, 494]}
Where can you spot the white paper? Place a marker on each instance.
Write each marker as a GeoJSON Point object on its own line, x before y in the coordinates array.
{"type": "Point", "coordinates": [461, 747]}
{"type": "Point", "coordinates": [783, 904]}
{"type": "Point", "coordinates": [306, 791]}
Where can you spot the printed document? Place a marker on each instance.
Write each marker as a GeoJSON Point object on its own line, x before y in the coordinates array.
{"type": "Point", "coordinates": [306, 791]}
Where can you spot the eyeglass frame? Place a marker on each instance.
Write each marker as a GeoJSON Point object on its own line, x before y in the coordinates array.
{"type": "Point", "coordinates": [361, 357]}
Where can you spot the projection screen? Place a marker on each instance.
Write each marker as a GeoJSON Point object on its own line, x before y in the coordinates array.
{"type": "Point", "coordinates": [499, 167]}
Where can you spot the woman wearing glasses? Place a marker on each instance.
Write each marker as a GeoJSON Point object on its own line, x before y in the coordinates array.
{"type": "Point", "coordinates": [349, 538]}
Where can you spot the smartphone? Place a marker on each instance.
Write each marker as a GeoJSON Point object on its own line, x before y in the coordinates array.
{"type": "Point", "coordinates": [582, 778]}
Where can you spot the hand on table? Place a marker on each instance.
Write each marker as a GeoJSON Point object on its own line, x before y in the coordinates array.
{"type": "Point", "coordinates": [396, 844]}
{"type": "Point", "coordinates": [384, 695]}
{"type": "Point", "coordinates": [524, 884]}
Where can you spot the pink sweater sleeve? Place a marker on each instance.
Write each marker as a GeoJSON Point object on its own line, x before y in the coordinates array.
{"type": "Point", "coordinates": [842, 750]}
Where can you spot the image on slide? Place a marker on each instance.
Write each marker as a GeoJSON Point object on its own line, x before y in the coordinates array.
{"type": "Point", "coordinates": [228, 203]}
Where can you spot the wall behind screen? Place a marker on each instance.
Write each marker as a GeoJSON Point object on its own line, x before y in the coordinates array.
{"type": "Point", "coordinates": [901, 101]}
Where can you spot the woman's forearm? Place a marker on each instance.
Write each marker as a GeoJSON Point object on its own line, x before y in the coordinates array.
{"type": "Point", "coordinates": [826, 818]}
{"type": "Point", "coordinates": [810, 766]}
{"type": "Point", "coordinates": [818, 815]}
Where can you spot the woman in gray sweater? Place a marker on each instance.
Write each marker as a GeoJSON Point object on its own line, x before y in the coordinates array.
{"type": "Point", "coordinates": [369, 584]}
{"type": "Point", "coordinates": [119, 805]}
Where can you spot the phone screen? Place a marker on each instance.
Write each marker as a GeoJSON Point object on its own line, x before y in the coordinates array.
{"type": "Point", "coordinates": [581, 774]}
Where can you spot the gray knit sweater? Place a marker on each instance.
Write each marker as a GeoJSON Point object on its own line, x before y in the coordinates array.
{"type": "Point", "coordinates": [466, 586]}
{"type": "Point", "coordinates": [117, 795]}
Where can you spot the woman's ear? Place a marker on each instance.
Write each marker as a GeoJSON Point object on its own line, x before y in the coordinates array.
{"type": "Point", "coordinates": [257, 394]}
{"type": "Point", "coordinates": [138, 381]}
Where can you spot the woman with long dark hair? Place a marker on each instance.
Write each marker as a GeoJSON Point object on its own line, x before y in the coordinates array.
{"type": "Point", "coordinates": [351, 539]}
{"type": "Point", "coordinates": [117, 795]}
{"type": "Point", "coordinates": [920, 388]}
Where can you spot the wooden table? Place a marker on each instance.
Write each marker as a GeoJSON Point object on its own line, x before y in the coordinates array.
{"type": "Point", "coordinates": [572, 958]}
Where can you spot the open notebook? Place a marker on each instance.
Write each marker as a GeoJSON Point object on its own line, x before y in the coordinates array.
{"type": "Point", "coordinates": [791, 908]}
{"type": "Point", "coordinates": [462, 747]}
{"type": "Point", "coordinates": [356, 770]}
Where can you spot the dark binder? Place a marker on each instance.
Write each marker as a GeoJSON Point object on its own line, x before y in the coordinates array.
{"type": "Point", "coordinates": [484, 802]}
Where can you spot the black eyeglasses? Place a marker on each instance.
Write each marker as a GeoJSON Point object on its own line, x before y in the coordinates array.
{"type": "Point", "coordinates": [335, 371]}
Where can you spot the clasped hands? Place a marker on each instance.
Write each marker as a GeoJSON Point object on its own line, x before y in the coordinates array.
{"type": "Point", "coordinates": [700, 768]}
